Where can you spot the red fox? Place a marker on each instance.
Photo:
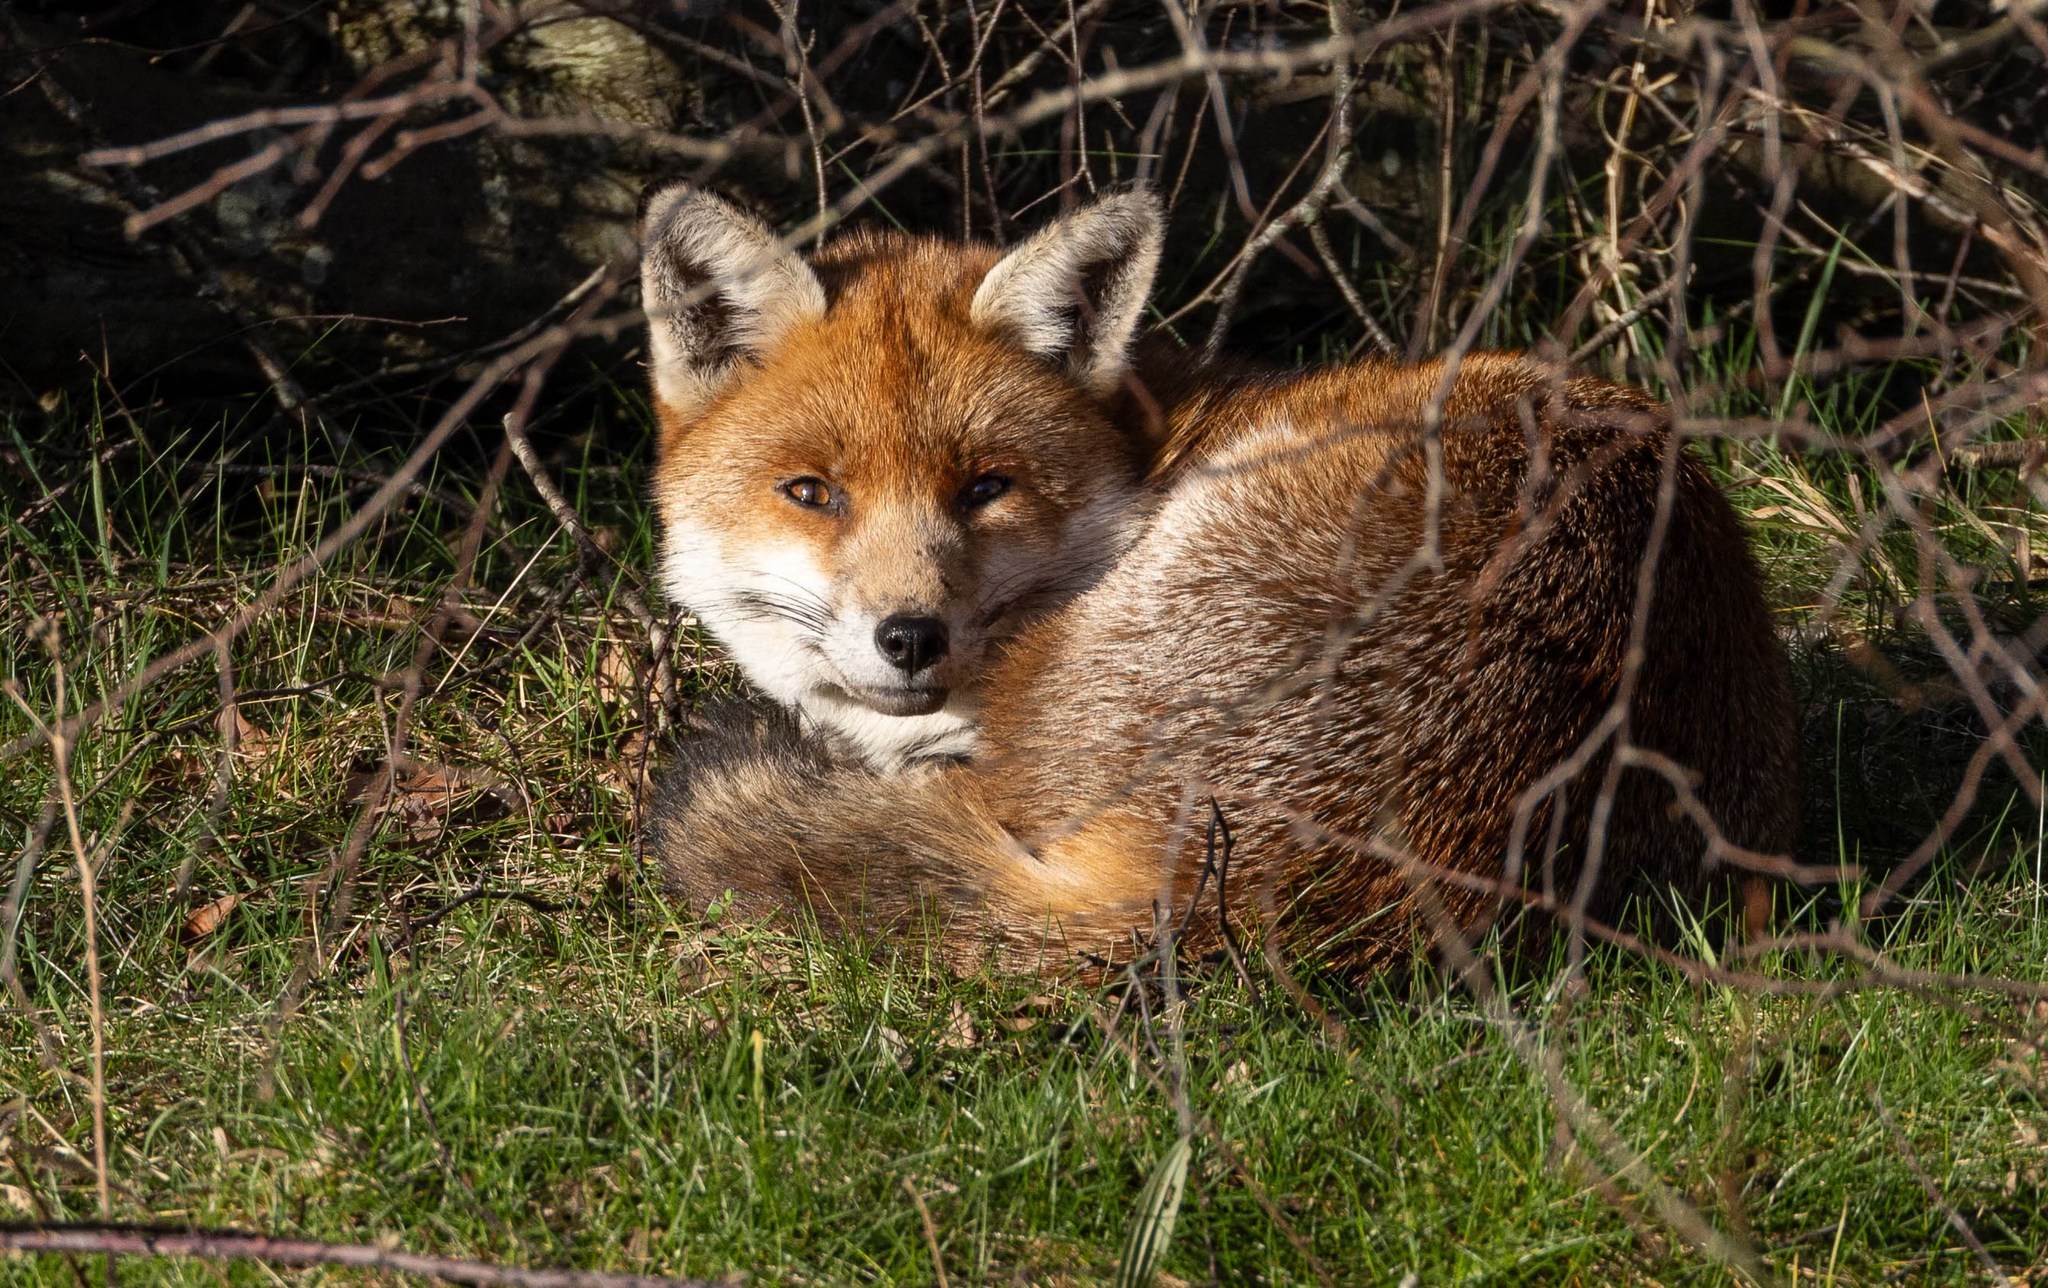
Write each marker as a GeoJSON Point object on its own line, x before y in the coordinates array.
{"type": "Point", "coordinates": [865, 485]}
{"type": "Point", "coordinates": [1043, 606]}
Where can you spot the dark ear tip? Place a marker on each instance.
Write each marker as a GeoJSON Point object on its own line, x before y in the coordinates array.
{"type": "Point", "coordinates": [1137, 206]}
{"type": "Point", "coordinates": [660, 197]}
{"type": "Point", "coordinates": [1135, 192]}
{"type": "Point", "coordinates": [660, 200]}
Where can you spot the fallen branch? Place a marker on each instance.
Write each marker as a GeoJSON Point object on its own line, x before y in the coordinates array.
{"type": "Point", "coordinates": [232, 1245]}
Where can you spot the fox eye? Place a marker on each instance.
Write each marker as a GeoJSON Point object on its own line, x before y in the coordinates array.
{"type": "Point", "coordinates": [984, 489]}
{"type": "Point", "coordinates": [813, 493]}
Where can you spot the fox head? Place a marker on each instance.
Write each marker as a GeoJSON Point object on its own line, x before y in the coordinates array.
{"type": "Point", "coordinates": [877, 463]}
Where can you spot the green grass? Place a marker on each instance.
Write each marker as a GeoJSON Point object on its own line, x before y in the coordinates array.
{"type": "Point", "coordinates": [579, 1079]}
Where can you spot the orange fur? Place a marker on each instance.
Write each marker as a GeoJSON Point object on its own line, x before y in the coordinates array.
{"type": "Point", "coordinates": [902, 401]}
{"type": "Point", "coordinates": [1383, 619]}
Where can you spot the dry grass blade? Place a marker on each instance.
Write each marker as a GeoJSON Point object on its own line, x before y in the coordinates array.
{"type": "Point", "coordinates": [1153, 1217]}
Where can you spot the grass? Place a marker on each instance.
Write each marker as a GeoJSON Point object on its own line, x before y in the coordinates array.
{"type": "Point", "coordinates": [513, 1051]}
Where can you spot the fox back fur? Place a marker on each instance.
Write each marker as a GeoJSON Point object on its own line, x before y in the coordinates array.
{"type": "Point", "coordinates": [1430, 641]}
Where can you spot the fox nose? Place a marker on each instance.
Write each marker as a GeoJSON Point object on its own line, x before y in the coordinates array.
{"type": "Point", "coordinates": [911, 643]}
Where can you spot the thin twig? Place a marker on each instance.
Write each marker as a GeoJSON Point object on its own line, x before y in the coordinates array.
{"type": "Point", "coordinates": [1336, 159]}
{"type": "Point", "coordinates": [233, 1245]}
{"type": "Point", "coordinates": [291, 396]}
{"type": "Point", "coordinates": [88, 894]}
{"type": "Point", "coordinates": [931, 1230]}
{"type": "Point", "coordinates": [1935, 1196]}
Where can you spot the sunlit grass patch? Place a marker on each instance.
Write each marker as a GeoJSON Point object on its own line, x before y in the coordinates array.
{"type": "Point", "coordinates": [507, 1047]}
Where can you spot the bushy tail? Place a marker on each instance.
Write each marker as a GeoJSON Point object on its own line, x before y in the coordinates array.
{"type": "Point", "coordinates": [757, 820]}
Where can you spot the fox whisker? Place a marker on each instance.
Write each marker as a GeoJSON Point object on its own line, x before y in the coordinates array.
{"type": "Point", "coordinates": [754, 605]}
{"type": "Point", "coordinates": [800, 592]}
{"type": "Point", "coordinates": [1033, 586]}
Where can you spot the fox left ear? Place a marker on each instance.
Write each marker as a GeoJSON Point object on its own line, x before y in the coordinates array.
{"type": "Point", "coordinates": [718, 288]}
{"type": "Point", "coordinates": [1074, 291]}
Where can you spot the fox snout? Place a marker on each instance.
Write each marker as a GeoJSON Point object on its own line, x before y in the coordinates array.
{"type": "Point", "coordinates": [910, 642]}
{"type": "Point", "coordinates": [901, 654]}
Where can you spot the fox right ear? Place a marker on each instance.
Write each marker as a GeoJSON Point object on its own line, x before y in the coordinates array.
{"type": "Point", "coordinates": [718, 288]}
{"type": "Point", "coordinates": [1075, 290]}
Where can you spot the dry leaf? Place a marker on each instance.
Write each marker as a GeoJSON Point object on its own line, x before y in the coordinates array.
{"type": "Point", "coordinates": [894, 1047]}
{"type": "Point", "coordinates": [207, 918]}
{"type": "Point", "coordinates": [180, 771]}
{"type": "Point", "coordinates": [420, 795]}
{"type": "Point", "coordinates": [630, 773]}
{"type": "Point", "coordinates": [458, 624]}
{"type": "Point", "coordinates": [1019, 1020]}
{"type": "Point", "coordinates": [187, 770]}
{"type": "Point", "coordinates": [618, 680]}
{"type": "Point", "coordinates": [959, 1034]}
{"type": "Point", "coordinates": [251, 742]}
{"type": "Point", "coordinates": [395, 615]}
{"type": "Point", "coordinates": [424, 795]}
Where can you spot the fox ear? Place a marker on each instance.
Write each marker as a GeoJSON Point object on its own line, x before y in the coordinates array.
{"type": "Point", "coordinates": [718, 288]}
{"type": "Point", "coordinates": [1075, 291]}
